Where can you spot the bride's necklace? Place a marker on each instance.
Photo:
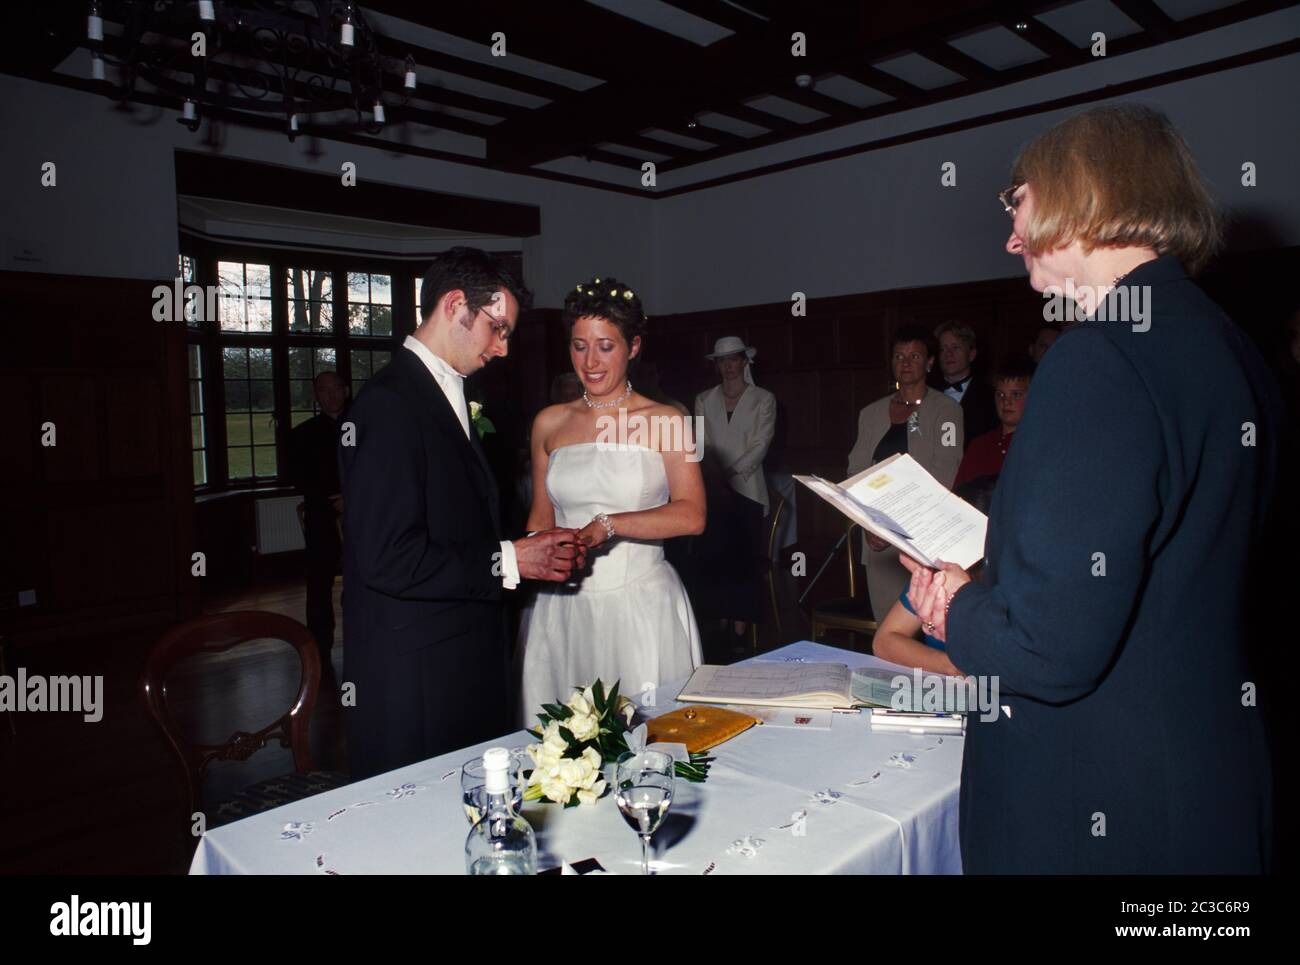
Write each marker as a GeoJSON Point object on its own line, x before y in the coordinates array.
{"type": "Point", "coordinates": [907, 404]}
{"type": "Point", "coordinates": [627, 394]}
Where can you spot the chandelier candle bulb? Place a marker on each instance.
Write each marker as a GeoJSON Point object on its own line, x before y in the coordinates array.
{"type": "Point", "coordinates": [94, 24]}
{"type": "Point", "coordinates": [379, 112]}
{"type": "Point", "coordinates": [97, 67]}
{"type": "Point", "coordinates": [188, 111]}
{"type": "Point", "coordinates": [293, 122]}
{"type": "Point", "coordinates": [409, 82]}
{"type": "Point", "coordinates": [206, 11]}
{"type": "Point", "coordinates": [346, 37]}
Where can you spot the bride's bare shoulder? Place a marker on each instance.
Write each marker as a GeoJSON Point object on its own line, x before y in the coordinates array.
{"type": "Point", "coordinates": [547, 422]}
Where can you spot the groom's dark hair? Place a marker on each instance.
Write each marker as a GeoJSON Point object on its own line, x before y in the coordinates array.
{"type": "Point", "coordinates": [473, 271]}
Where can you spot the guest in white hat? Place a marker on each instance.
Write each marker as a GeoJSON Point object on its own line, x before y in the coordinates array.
{"type": "Point", "coordinates": [738, 421]}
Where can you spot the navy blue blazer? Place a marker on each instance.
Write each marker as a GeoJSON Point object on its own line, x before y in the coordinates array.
{"type": "Point", "coordinates": [1112, 607]}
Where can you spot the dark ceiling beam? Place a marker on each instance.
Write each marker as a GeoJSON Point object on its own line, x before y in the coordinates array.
{"type": "Point", "coordinates": [1043, 37]}
{"type": "Point", "coordinates": [500, 76]}
{"type": "Point", "coordinates": [1148, 16]}
{"type": "Point", "coordinates": [719, 12]}
{"type": "Point", "coordinates": [652, 144]}
{"type": "Point", "coordinates": [811, 98]}
{"type": "Point", "coordinates": [546, 33]}
{"type": "Point", "coordinates": [756, 115]}
{"type": "Point", "coordinates": [703, 132]}
{"type": "Point", "coordinates": [612, 157]}
{"type": "Point", "coordinates": [946, 55]}
{"type": "Point", "coordinates": [886, 83]}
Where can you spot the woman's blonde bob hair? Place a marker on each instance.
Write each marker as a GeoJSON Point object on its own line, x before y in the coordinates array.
{"type": "Point", "coordinates": [1116, 177]}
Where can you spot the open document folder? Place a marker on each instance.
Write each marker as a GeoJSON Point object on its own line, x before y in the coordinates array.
{"type": "Point", "coordinates": [898, 501]}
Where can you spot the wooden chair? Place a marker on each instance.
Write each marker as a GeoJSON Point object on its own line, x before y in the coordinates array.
{"type": "Point", "coordinates": [217, 634]}
{"type": "Point", "coordinates": [846, 613]}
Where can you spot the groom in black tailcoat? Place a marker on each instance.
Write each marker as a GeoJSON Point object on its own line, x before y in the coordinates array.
{"type": "Point", "coordinates": [424, 564]}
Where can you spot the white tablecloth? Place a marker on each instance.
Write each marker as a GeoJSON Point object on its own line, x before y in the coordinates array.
{"type": "Point", "coordinates": [901, 818]}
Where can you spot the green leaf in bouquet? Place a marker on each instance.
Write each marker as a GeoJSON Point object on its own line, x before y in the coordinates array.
{"type": "Point", "coordinates": [598, 693]}
{"type": "Point", "coordinates": [568, 735]}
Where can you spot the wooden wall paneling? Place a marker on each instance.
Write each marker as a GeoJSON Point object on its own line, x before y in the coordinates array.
{"type": "Point", "coordinates": [135, 425]}
{"type": "Point", "coordinates": [72, 403]}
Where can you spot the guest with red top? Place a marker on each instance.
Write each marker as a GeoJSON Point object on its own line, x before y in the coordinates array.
{"type": "Point", "coordinates": [982, 463]}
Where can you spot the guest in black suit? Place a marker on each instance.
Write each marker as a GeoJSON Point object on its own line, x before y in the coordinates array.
{"type": "Point", "coordinates": [314, 466]}
{"type": "Point", "coordinates": [425, 567]}
{"type": "Point", "coordinates": [957, 379]}
{"type": "Point", "coordinates": [1114, 603]}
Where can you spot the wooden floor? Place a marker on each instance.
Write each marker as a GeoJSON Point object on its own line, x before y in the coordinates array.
{"type": "Point", "coordinates": [109, 799]}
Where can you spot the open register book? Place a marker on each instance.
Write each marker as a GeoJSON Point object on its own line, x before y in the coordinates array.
{"type": "Point", "coordinates": [807, 685]}
{"type": "Point", "coordinates": [898, 501]}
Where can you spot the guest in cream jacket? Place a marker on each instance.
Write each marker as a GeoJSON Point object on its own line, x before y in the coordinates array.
{"type": "Point", "coordinates": [739, 420]}
{"type": "Point", "coordinates": [915, 419]}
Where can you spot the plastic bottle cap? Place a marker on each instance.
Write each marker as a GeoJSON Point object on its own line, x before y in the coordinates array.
{"type": "Point", "coordinates": [496, 764]}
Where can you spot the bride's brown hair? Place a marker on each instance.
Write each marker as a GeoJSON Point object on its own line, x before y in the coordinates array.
{"type": "Point", "coordinates": [610, 299]}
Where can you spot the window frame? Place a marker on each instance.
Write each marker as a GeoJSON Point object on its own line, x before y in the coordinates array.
{"type": "Point", "coordinates": [210, 338]}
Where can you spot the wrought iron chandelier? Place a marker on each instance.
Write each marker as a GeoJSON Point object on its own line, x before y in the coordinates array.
{"type": "Point", "coordinates": [312, 63]}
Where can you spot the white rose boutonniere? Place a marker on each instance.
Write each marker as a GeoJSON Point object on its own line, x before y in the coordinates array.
{"type": "Point", "coordinates": [481, 423]}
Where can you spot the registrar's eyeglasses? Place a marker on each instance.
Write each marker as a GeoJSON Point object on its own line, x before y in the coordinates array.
{"type": "Point", "coordinates": [1009, 200]}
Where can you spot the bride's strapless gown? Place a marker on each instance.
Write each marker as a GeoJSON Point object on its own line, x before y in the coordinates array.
{"type": "Point", "coordinates": [629, 618]}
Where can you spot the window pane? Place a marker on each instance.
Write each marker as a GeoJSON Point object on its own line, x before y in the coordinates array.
{"type": "Point", "coordinates": [298, 417]}
{"type": "Point", "coordinates": [234, 361]}
{"type": "Point", "coordinates": [358, 319]}
{"type": "Point", "coordinates": [196, 369]}
{"type": "Point", "coordinates": [230, 279]}
{"type": "Point", "coordinates": [326, 359]}
{"type": "Point", "coordinates": [259, 314]}
{"type": "Point", "coordinates": [196, 432]}
{"type": "Point", "coordinates": [259, 363]}
{"type": "Point", "coordinates": [240, 462]}
{"type": "Point", "coordinates": [200, 467]}
{"type": "Point", "coordinates": [360, 365]}
{"type": "Point", "coordinates": [264, 461]}
{"type": "Point", "coordinates": [322, 319]}
{"type": "Point", "coordinates": [196, 397]}
{"type": "Point", "coordinates": [299, 317]}
{"type": "Point", "coordinates": [230, 312]}
{"type": "Point", "coordinates": [236, 396]}
{"type": "Point", "coordinates": [381, 320]}
{"type": "Point", "coordinates": [238, 431]}
{"type": "Point", "coordinates": [263, 429]}
{"type": "Point", "coordinates": [381, 289]}
{"type": "Point", "coordinates": [301, 395]}
{"type": "Point", "coordinates": [299, 362]}
{"type": "Point", "coordinates": [263, 396]}
{"type": "Point", "coordinates": [379, 359]}
{"type": "Point", "coordinates": [358, 286]}
{"type": "Point", "coordinates": [357, 385]}
{"type": "Point", "coordinates": [257, 281]}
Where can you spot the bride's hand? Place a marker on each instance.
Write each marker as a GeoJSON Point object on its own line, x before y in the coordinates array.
{"type": "Point", "coordinates": [592, 535]}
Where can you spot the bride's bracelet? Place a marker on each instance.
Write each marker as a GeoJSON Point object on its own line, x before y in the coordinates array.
{"type": "Point", "coordinates": [605, 521]}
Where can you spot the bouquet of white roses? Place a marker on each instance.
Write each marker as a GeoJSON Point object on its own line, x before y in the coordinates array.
{"type": "Point", "coordinates": [578, 738]}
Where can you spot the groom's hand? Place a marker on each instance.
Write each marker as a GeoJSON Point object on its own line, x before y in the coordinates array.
{"type": "Point", "coordinates": [553, 554]}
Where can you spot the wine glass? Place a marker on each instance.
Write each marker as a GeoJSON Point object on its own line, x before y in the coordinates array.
{"type": "Point", "coordinates": [473, 782]}
{"type": "Point", "coordinates": [643, 788]}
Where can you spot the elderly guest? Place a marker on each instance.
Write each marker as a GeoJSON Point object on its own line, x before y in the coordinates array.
{"type": "Point", "coordinates": [915, 419]}
{"type": "Point", "coordinates": [1112, 609]}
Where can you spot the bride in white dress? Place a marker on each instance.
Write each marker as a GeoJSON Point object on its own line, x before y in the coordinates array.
{"type": "Point", "coordinates": [628, 618]}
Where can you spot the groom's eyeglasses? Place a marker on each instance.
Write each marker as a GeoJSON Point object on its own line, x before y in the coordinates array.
{"type": "Point", "coordinates": [500, 329]}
